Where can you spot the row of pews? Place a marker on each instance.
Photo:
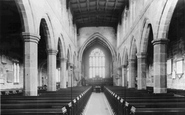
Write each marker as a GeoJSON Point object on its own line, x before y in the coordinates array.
{"type": "Point", "coordinates": [70, 101]}
{"type": "Point", "coordinates": [126, 101]}
{"type": "Point", "coordinates": [19, 91]}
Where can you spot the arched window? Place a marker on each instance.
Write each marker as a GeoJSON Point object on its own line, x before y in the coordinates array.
{"type": "Point", "coordinates": [96, 63]}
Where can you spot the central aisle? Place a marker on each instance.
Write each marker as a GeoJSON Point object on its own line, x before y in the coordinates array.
{"type": "Point", "coordinates": [98, 105]}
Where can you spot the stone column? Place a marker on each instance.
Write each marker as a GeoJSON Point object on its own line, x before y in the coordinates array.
{"type": "Point", "coordinates": [69, 75]}
{"type": "Point", "coordinates": [75, 76]}
{"type": "Point", "coordinates": [124, 76]}
{"type": "Point", "coordinates": [51, 69]}
{"type": "Point", "coordinates": [30, 64]}
{"type": "Point", "coordinates": [120, 76]}
{"type": "Point", "coordinates": [132, 73]}
{"type": "Point", "coordinates": [141, 80]}
{"type": "Point", "coordinates": [160, 70]}
{"type": "Point", "coordinates": [63, 73]}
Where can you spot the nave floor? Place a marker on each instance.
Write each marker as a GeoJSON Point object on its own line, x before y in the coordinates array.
{"type": "Point", "coordinates": [98, 105]}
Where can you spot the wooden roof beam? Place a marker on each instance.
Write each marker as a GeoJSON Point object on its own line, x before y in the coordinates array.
{"type": "Point", "coordinates": [95, 13]}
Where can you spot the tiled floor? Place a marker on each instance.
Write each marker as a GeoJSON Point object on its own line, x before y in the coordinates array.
{"type": "Point", "coordinates": [98, 105]}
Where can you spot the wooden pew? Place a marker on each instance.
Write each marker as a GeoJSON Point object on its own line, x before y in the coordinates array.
{"type": "Point", "coordinates": [137, 102]}
{"type": "Point", "coordinates": [55, 103]}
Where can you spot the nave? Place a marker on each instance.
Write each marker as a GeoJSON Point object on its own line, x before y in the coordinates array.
{"type": "Point", "coordinates": [111, 100]}
{"type": "Point", "coordinates": [54, 52]}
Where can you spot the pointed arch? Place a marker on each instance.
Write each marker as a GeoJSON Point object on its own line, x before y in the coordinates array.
{"type": "Point", "coordinates": [133, 49]}
{"type": "Point", "coordinates": [60, 45]}
{"type": "Point", "coordinates": [26, 16]}
{"type": "Point", "coordinates": [46, 23]}
{"type": "Point", "coordinates": [144, 38]}
{"type": "Point", "coordinates": [94, 37]}
{"type": "Point", "coordinates": [164, 22]}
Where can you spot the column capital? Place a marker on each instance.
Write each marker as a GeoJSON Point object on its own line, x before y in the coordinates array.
{"type": "Point", "coordinates": [30, 37]}
{"type": "Point", "coordinates": [160, 41]}
{"type": "Point", "coordinates": [141, 55]}
{"type": "Point", "coordinates": [52, 52]}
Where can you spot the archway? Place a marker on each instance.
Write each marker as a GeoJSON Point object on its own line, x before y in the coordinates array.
{"type": "Point", "coordinates": [97, 43]}
{"type": "Point", "coordinates": [145, 58]}
{"type": "Point", "coordinates": [11, 44]}
{"type": "Point", "coordinates": [132, 65]}
{"type": "Point", "coordinates": [47, 52]}
{"type": "Point", "coordinates": [176, 47]}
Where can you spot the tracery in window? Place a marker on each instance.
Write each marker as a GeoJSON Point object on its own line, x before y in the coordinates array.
{"type": "Point", "coordinates": [97, 64]}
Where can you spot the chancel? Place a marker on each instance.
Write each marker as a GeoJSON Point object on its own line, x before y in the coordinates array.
{"type": "Point", "coordinates": [92, 57]}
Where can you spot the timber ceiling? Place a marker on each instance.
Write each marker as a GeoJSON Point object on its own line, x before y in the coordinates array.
{"type": "Point", "coordinates": [95, 13]}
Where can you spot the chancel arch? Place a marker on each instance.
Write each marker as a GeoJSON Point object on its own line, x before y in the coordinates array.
{"type": "Point", "coordinates": [100, 48]}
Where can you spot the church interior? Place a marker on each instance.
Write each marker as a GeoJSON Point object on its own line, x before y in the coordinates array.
{"type": "Point", "coordinates": [92, 57]}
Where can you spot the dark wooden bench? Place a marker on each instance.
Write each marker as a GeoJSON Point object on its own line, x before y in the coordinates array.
{"type": "Point", "coordinates": [135, 102]}
{"type": "Point", "coordinates": [58, 102]}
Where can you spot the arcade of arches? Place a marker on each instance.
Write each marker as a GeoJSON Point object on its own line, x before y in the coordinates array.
{"type": "Point", "coordinates": [129, 41]}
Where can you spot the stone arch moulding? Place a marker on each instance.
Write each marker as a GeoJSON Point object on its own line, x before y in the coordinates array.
{"type": "Point", "coordinates": [64, 46]}
{"type": "Point", "coordinates": [125, 57]}
{"type": "Point", "coordinates": [133, 48]}
{"type": "Point", "coordinates": [93, 37]}
{"type": "Point", "coordinates": [60, 44]}
{"type": "Point", "coordinates": [166, 19]}
{"type": "Point", "coordinates": [26, 16]}
{"type": "Point", "coordinates": [50, 34]}
{"type": "Point", "coordinates": [144, 37]}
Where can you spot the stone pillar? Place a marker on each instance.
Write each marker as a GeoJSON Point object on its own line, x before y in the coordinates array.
{"type": "Point", "coordinates": [124, 76]}
{"type": "Point", "coordinates": [160, 70]}
{"type": "Point", "coordinates": [132, 73]}
{"type": "Point", "coordinates": [63, 73]}
{"type": "Point", "coordinates": [51, 69]}
{"type": "Point", "coordinates": [69, 75]}
{"type": "Point", "coordinates": [30, 64]}
{"type": "Point", "coordinates": [120, 76]}
{"type": "Point", "coordinates": [141, 80]}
